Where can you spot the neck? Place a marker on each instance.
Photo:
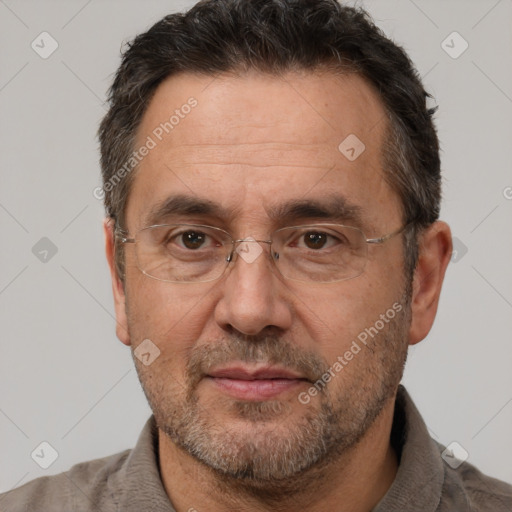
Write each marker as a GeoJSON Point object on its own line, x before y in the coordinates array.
{"type": "Point", "coordinates": [353, 482]}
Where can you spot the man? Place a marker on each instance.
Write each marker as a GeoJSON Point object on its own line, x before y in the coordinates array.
{"type": "Point", "coordinates": [272, 183]}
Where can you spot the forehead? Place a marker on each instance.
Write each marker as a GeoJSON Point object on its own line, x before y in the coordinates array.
{"type": "Point", "coordinates": [254, 141]}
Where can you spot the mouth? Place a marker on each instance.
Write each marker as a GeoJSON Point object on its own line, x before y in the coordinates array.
{"type": "Point", "coordinates": [258, 383]}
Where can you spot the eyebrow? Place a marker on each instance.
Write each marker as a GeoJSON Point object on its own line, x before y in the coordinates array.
{"type": "Point", "coordinates": [185, 205]}
{"type": "Point", "coordinates": [331, 207]}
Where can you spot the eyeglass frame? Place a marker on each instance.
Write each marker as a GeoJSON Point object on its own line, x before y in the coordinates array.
{"type": "Point", "coordinates": [122, 235]}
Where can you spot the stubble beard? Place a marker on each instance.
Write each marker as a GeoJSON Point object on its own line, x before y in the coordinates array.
{"type": "Point", "coordinates": [276, 447]}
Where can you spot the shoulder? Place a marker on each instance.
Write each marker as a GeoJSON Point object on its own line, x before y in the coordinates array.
{"type": "Point", "coordinates": [479, 492]}
{"type": "Point", "coordinates": [86, 486]}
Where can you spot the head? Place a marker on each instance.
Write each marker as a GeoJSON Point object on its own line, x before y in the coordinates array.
{"type": "Point", "coordinates": [244, 107]}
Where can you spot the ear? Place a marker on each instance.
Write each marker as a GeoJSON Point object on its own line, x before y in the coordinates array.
{"type": "Point", "coordinates": [435, 250]}
{"type": "Point", "coordinates": [117, 284]}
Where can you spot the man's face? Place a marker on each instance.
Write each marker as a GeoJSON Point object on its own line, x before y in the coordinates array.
{"type": "Point", "coordinates": [251, 144]}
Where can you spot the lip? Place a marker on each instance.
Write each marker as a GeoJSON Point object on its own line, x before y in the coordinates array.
{"type": "Point", "coordinates": [240, 372]}
{"type": "Point", "coordinates": [255, 383]}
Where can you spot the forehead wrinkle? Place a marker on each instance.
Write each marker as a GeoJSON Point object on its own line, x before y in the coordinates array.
{"type": "Point", "coordinates": [261, 153]}
{"type": "Point", "coordinates": [246, 164]}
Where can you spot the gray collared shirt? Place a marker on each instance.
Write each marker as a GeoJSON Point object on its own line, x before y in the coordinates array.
{"type": "Point", "coordinates": [130, 481]}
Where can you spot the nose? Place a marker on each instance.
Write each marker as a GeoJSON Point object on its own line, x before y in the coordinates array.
{"type": "Point", "coordinates": [253, 294]}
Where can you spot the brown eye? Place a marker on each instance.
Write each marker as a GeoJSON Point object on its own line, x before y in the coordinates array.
{"type": "Point", "coordinates": [193, 239]}
{"type": "Point", "coordinates": [315, 240]}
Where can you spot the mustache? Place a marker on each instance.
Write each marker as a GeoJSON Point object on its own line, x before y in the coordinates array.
{"type": "Point", "coordinates": [268, 349]}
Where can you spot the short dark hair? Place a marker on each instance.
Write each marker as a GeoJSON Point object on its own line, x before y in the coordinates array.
{"type": "Point", "coordinates": [276, 36]}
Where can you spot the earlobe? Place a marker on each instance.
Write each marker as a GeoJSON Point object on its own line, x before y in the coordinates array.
{"type": "Point", "coordinates": [117, 283]}
{"type": "Point", "coordinates": [435, 249]}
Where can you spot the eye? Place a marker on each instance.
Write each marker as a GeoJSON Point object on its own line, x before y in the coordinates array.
{"type": "Point", "coordinates": [190, 239]}
{"type": "Point", "coordinates": [317, 240]}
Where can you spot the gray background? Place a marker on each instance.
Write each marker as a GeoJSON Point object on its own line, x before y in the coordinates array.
{"type": "Point", "coordinates": [64, 376]}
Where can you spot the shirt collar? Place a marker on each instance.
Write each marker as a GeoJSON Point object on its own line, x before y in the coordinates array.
{"type": "Point", "coordinates": [140, 477]}
{"type": "Point", "coordinates": [419, 480]}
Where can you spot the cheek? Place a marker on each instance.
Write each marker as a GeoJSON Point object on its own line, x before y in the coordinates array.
{"type": "Point", "coordinates": [336, 314]}
{"type": "Point", "coordinates": [170, 315]}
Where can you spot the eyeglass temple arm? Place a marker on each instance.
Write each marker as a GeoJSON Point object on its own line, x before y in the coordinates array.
{"type": "Point", "coordinates": [122, 236]}
{"type": "Point", "coordinates": [384, 238]}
